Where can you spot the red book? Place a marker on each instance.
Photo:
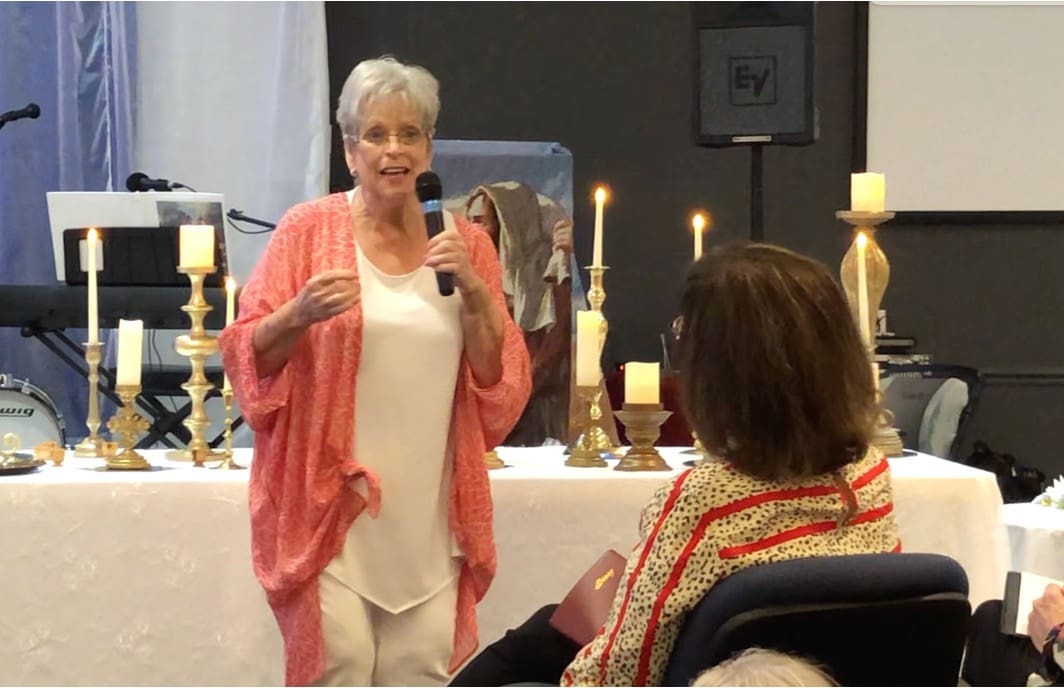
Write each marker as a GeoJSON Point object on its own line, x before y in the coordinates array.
{"type": "Point", "coordinates": [584, 610]}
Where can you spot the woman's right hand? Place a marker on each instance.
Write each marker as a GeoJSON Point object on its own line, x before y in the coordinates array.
{"type": "Point", "coordinates": [326, 295]}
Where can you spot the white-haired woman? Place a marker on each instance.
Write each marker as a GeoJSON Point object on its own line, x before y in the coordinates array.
{"type": "Point", "coordinates": [373, 399]}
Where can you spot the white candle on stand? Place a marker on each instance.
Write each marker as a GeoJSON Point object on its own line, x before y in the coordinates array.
{"type": "Point", "coordinates": [588, 334]}
{"type": "Point", "coordinates": [698, 222]}
{"type": "Point", "coordinates": [197, 246]}
{"type": "Point", "coordinates": [642, 383]}
{"type": "Point", "coordinates": [130, 341]}
{"type": "Point", "coordinates": [862, 290]}
{"type": "Point", "coordinates": [600, 201]}
{"type": "Point", "coordinates": [868, 192]}
{"type": "Point", "coordinates": [230, 311]}
{"type": "Point", "coordinates": [94, 308]}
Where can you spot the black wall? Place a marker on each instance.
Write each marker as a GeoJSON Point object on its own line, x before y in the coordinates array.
{"type": "Point", "coordinates": [613, 83]}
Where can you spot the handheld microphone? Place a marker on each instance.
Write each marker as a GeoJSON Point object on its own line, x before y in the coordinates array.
{"type": "Point", "coordinates": [138, 181]}
{"type": "Point", "coordinates": [429, 193]}
{"type": "Point", "coordinates": [31, 111]}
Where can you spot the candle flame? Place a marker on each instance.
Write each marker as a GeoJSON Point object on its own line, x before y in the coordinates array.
{"type": "Point", "coordinates": [93, 234]}
{"type": "Point", "coordinates": [861, 240]}
{"type": "Point", "coordinates": [601, 194]}
{"type": "Point", "coordinates": [230, 284]}
{"type": "Point", "coordinates": [699, 222]}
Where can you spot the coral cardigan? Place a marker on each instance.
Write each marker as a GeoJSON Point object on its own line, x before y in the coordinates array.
{"type": "Point", "coordinates": [300, 494]}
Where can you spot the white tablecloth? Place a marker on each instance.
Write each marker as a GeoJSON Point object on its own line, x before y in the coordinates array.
{"type": "Point", "coordinates": [145, 578]}
{"type": "Point", "coordinates": [1036, 538]}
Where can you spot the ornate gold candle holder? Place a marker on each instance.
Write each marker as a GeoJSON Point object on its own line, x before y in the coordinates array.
{"type": "Point", "coordinates": [91, 446]}
{"type": "Point", "coordinates": [126, 424]}
{"type": "Point", "coordinates": [605, 439]}
{"type": "Point", "coordinates": [492, 460]}
{"type": "Point", "coordinates": [877, 275]}
{"type": "Point", "coordinates": [642, 424]}
{"type": "Point", "coordinates": [585, 452]}
{"type": "Point", "coordinates": [227, 455]}
{"type": "Point", "coordinates": [197, 345]}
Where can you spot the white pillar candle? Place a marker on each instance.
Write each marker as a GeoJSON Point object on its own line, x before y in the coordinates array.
{"type": "Point", "coordinates": [130, 341]}
{"type": "Point", "coordinates": [94, 309]}
{"type": "Point", "coordinates": [600, 201]}
{"type": "Point", "coordinates": [230, 311]}
{"type": "Point", "coordinates": [642, 383]}
{"type": "Point", "coordinates": [588, 329]}
{"type": "Point", "coordinates": [862, 290]}
{"type": "Point", "coordinates": [197, 246]}
{"type": "Point", "coordinates": [868, 192]}
{"type": "Point", "coordinates": [698, 223]}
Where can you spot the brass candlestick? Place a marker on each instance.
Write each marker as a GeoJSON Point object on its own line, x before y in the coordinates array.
{"type": "Point", "coordinates": [492, 460]}
{"type": "Point", "coordinates": [227, 455]}
{"type": "Point", "coordinates": [642, 424]}
{"type": "Point", "coordinates": [127, 424]}
{"type": "Point", "coordinates": [605, 440]}
{"type": "Point", "coordinates": [197, 345]}
{"type": "Point", "coordinates": [877, 275]}
{"type": "Point", "coordinates": [90, 447]}
{"type": "Point", "coordinates": [585, 452]}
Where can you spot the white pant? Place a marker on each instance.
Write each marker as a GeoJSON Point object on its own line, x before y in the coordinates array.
{"type": "Point", "coordinates": [367, 646]}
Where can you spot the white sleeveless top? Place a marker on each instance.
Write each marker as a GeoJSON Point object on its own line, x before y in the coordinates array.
{"type": "Point", "coordinates": [412, 344]}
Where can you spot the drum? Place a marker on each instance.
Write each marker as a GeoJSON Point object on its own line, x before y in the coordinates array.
{"type": "Point", "coordinates": [27, 411]}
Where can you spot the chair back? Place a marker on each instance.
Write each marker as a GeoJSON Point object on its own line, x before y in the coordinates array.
{"type": "Point", "coordinates": [931, 404]}
{"type": "Point", "coordinates": [868, 619]}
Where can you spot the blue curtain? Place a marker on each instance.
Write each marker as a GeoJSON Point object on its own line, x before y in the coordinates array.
{"type": "Point", "coordinates": [74, 59]}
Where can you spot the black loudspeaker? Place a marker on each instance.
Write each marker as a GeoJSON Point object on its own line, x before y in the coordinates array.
{"type": "Point", "coordinates": [754, 73]}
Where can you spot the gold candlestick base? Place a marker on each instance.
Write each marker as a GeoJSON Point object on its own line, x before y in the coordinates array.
{"type": "Point", "coordinates": [586, 451]}
{"type": "Point", "coordinates": [492, 460]}
{"type": "Point", "coordinates": [92, 446]}
{"type": "Point", "coordinates": [127, 424]}
{"type": "Point", "coordinates": [642, 424]}
{"type": "Point", "coordinates": [227, 463]}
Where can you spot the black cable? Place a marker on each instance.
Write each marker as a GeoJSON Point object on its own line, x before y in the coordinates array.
{"type": "Point", "coordinates": [247, 231]}
{"type": "Point", "coordinates": [179, 185]}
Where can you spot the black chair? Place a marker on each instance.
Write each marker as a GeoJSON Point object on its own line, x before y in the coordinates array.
{"type": "Point", "coordinates": [868, 619]}
{"type": "Point", "coordinates": [913, 387]}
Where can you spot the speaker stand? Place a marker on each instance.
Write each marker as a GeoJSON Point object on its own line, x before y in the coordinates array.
{"type": "Point", "coordinates": [757, 206]}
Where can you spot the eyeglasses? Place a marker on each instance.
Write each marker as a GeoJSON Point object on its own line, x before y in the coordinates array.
{"type": "Point", "coordinates": [378, 136]}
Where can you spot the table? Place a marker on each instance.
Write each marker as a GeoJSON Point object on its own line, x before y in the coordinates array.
{"type": "Point", "coordinates": [1036, 538]}
{"type": "Point", "coordinates": [145, 578]}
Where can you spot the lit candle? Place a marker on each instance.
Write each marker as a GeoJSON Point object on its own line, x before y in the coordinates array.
{"type": "Point", "coordinates": [862, 290]}
{"type": "Point", "coordinates": [588, 329]}
{"type": "Point", "coordinates": [197, 246]}
{"type": "Point", "coordinates": [698, 222]}
{"type": "Point", "coordinates": [94, 309]}
{"type": "Point", "coordinates": [642, 383]}
{"type": "Point", "coordinates": [868, 192]}
{"type": "Point", "coordinates": [230, 310]}
{"type": "Point", "coordinates": [600, 201]}
{"type": "Point", "coordinates": [130, 340]}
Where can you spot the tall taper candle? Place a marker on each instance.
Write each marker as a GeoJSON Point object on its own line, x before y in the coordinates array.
{"type": "Point", "coordinates": [94, 308]}
{"type": "Point", "coordinates": [588, 329]}
{"type": "Point", "coordinates": [698, 222]}
{"type": "Point", "coordinates": [600, 201]}
{"type": "Point", "coordinates": [130, 341]}
{"type": "Point", "coordinates": [230, 311]}
{"type": "Point", "coordinates": [197, 246]}
{"type": "Point", "coordinates": [862, 290]}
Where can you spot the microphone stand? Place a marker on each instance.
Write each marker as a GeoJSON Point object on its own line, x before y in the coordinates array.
{"type": "Point", "coordinates": [241, 217]}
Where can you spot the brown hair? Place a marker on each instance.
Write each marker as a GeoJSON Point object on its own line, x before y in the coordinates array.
{"type": "Point", "coordinates": [774, 376]}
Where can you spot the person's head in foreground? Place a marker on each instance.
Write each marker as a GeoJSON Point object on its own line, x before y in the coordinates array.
{"type": "Point", "coordinates": [759, 667]}
{"type": "Point", "coordinates": [775, 378]}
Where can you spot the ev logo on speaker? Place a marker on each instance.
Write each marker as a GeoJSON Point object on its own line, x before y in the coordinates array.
{"type": "Point", "coordinates": [752, 80]}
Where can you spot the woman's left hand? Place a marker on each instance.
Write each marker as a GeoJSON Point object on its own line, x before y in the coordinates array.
{"type": "Point", "coordinates": [447, 252]}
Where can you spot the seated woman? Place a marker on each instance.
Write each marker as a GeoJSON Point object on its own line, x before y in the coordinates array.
{"type": "Point", "coordinates": [778, 387]}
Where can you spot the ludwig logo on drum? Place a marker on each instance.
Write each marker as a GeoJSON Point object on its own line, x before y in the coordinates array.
{"type": "Point", "coordinates": [20, 412]}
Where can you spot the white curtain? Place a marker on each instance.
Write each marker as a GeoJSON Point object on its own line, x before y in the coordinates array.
{"type": "Point", "coordinates": [233, 98]}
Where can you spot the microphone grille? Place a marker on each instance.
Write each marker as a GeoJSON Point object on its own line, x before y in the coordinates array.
{"type": "Point", "coordinates": [134, 181]}
{"type": "Point", "coordinates": [428, 187]}
{"type": "Point", "coordinates": [33, 110]}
